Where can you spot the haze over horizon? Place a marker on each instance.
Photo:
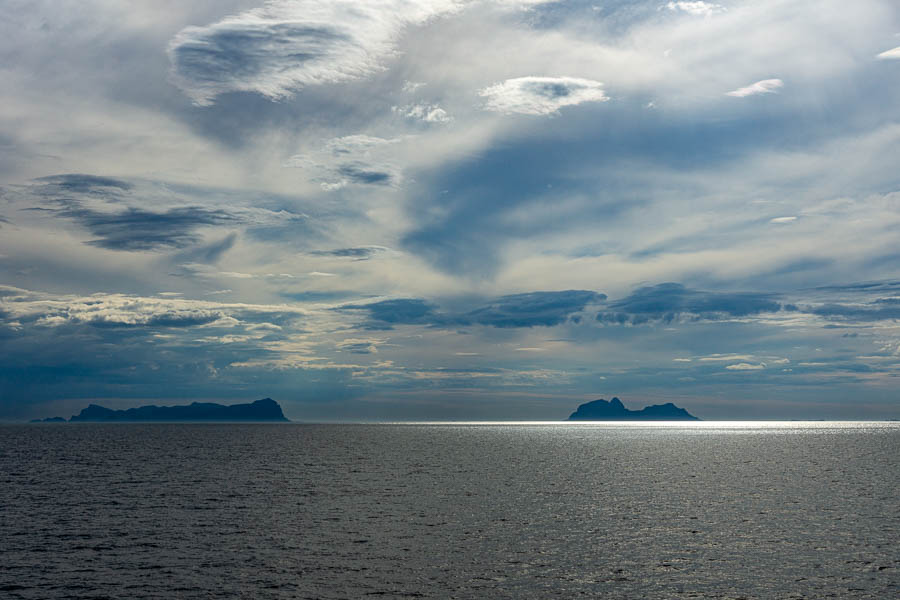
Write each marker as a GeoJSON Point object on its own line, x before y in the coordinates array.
{"type": "Point", "coordinates": [437, 209]}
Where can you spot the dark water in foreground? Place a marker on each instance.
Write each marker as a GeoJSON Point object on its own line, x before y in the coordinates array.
{"type": "Point", "coordinates": [793, 510]}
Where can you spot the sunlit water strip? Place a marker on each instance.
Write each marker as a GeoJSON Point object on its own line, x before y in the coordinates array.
{"type": "Point", "coordinates": [721, 425]}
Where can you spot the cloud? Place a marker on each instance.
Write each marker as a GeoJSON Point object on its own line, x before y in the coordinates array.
{"type": "Point", "coordinates": [357, 253]}
{"type": "Point", "coordinates": [15, 294]}
{"type": "Point", "coordinates": [882, 309]}
{"type": "Point", "coordinates": [428, 113]}
{"type": "Point", "coordinates": [883, 286]}
{"type": "Point", "coordinates": [726, 357]}
{"type": "Point", "coordinates": [411, 86]}
{"type": "Point", "coordinates": [319, 296]}
{"type": "Point", "coordinates": [135, 229]}
{"type": "Point", "coordinates": [782, 220]}
{"type": "Point", "coordinates": [523, 4]}
{"type": "Point", "coordinates": [361, 173]}
{"type": "Point", "coordinates": [74, 189]}
{"type": "Point", "coordinates": [699, 8]}
{"type": "Point", "coordinates": [208, 253]}
{"type": "Point", "coordinates": [746, 367]}
{"type": "Point", "coordinates": [115, 311]}
{"type": "Point", "coordinates": [667, 302]}
{"type": "Point", "coordinates": [766, 86]}
{"type": "Point", "coordinates": [114, 212]}
{"type": "Point", "coordinates": [358, 346]}
{"type": "Point", "coordinates": [892, 54]}
{"type": "Point", "coordinates": [84, 184]}
{"type": "Point", "coordinates": [276, 49]}
{"type": "Point", "coordinates": [350, 160]}
{"type": "Point", "coordinates": [401, 311]}
{"type": "Point", "coordinates": [355, 145]}
{"type": "Point", "coordinates": [132, 312]}
{"type": "Point", "coordinates": [541, 95]}
{"type": "Point", "coordinates": [533, 309]}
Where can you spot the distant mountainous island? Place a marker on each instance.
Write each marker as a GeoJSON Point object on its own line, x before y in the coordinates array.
{"type": "Point", "coordinates": [262, 410]}
{"type": "Point", "coordinates": [614, 410]}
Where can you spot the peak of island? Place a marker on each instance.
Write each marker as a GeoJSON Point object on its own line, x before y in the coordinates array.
{"type": "Point", "coordinates": [265, 410]}
{"type": "Point", "coordinates": [614, 410]}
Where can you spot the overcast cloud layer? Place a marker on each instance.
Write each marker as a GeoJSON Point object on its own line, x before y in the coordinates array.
{"type": "Point", "coordinates": [450, 209]}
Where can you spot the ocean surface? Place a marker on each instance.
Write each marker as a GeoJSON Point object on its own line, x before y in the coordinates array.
{"type": "Point", "coordinates": [706, 510]}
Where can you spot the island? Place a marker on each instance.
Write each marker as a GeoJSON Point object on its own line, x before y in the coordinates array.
{"type": "Point", "coordinates": [614, 410]}
{"type": "Point", "coordinates": [265, 410]}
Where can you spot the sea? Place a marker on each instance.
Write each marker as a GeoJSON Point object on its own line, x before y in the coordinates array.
{"type": "Point", "coordinates": [450, 510]}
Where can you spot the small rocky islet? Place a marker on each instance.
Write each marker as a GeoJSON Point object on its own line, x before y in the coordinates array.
{"type": "Point", "coordinates": [614, 410]}
{"type": "Point", "coordinates": [265, 410]}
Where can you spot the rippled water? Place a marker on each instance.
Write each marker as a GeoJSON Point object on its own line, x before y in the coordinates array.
{"type": "Point", "coordinates": [450, 511]}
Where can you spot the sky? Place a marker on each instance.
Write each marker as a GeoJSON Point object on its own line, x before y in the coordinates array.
{"type": "Point", "coordinates": [451, 209]}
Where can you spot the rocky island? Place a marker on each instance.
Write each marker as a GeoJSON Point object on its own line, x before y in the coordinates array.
{"type": "Point", "coordinates": [614, 410]}
{"type": "Point", "coordinates": [265, 410]}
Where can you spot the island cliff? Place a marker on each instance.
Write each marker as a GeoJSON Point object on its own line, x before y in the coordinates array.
{"type": "Point", "coordinates": [614, 410]}
{"type": "Point", "coordinates": [261, 410]}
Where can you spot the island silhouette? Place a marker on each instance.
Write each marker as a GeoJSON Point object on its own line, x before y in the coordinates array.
{"type": "Point", "coordinates": [268, 410]}
{"type": "Point", "coordinates": [265, 410]}
{"type": "Point", "coordinates": [614, 410]}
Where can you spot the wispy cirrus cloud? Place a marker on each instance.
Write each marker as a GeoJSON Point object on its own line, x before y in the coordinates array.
{"type": "Point", "coordinates": [351, 160]}
{"type": "Point", "coordinates": [285, 45]}
{"type": "Point", "coordinates": [766, 86]}
{"type": "Point", "coordinates": [531, 309]}
{"type": "Point", "coordinates": [746, 367]}
{"type": "Point", "coordinates": [83, 183]}
{"type": "Point", "coordinates": [541, 95]}
{"type": "Point", "coordinates": [892, 54]}
{"type": "Point", "coordinates": [697, 7]}
{"type": "Point", "coordinates": [134, 229]}
{"type": "Point", "coordinates": [355, 253]}
{"type": "Point", "coordinates": [101, 205]}
{"type": "Point", "coordinates": [427, 113]}
{"type": "Point", "coordinates": [118, 214]}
